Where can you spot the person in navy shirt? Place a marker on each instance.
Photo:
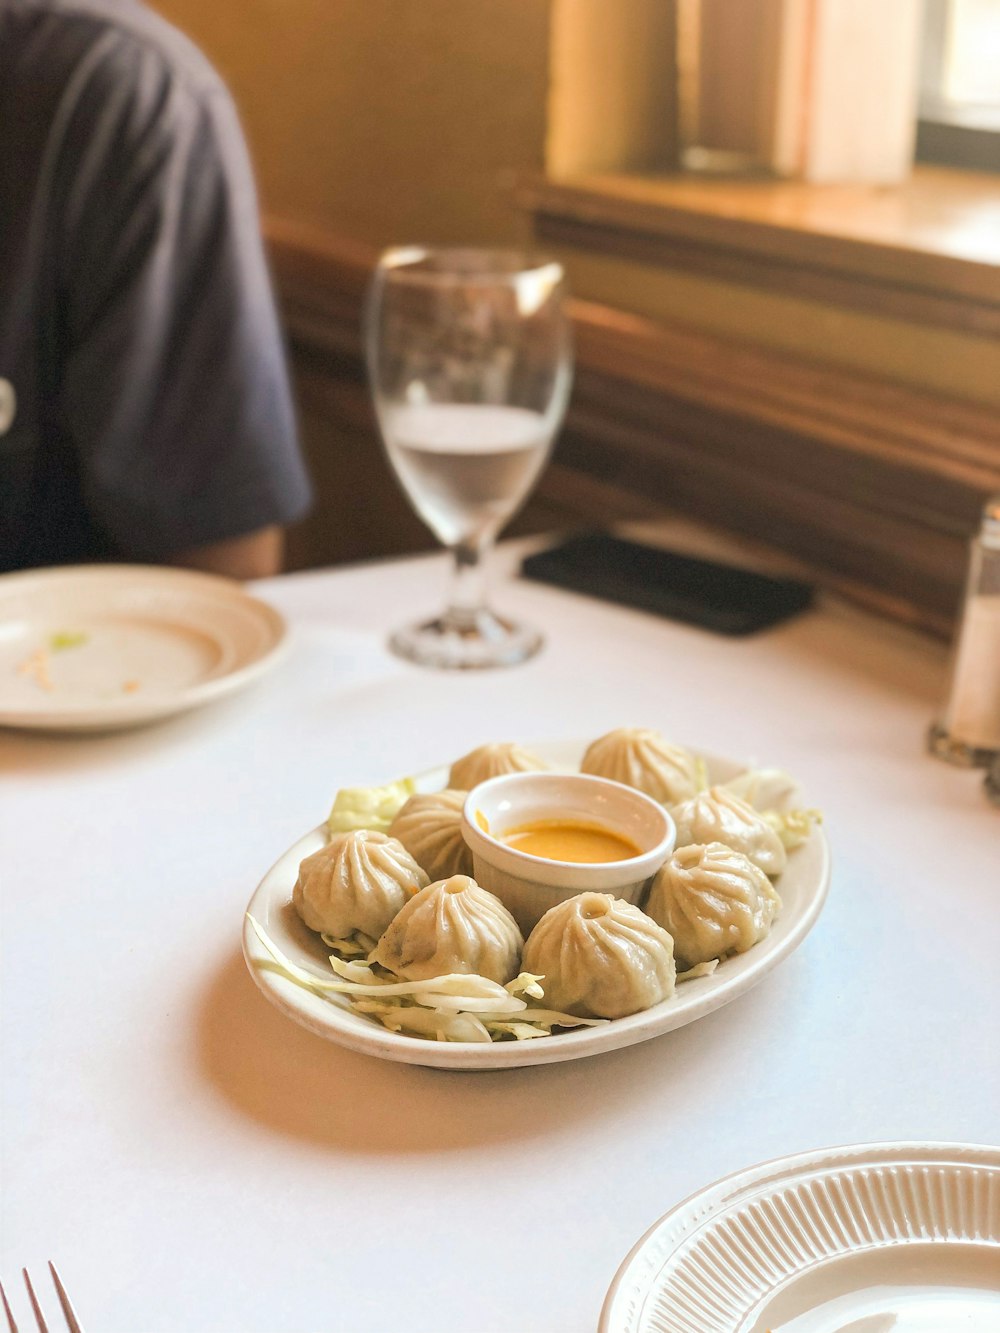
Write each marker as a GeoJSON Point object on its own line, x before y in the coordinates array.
{"type": "Point", "coordinates": [145, 411]}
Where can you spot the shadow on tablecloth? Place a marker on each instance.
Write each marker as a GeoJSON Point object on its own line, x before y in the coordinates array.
{"type": "Point", "coordinates": [293, 1082]}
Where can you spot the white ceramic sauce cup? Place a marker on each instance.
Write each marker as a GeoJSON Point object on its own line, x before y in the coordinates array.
{"type": "Point", "coordinates": [529, 885]}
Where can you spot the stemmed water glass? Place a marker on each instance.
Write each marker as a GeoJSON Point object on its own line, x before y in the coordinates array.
{"type": "Point", "coordinates": [470, 366]}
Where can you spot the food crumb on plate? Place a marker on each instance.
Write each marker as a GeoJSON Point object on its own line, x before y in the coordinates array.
{"type": "Point", "coordinates": [67, 638]}
{"type": "Point", "coordinates": [36, 665]}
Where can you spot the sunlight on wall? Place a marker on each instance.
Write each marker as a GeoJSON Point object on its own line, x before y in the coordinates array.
{"type": "Point", "coordinates": [384, 120]}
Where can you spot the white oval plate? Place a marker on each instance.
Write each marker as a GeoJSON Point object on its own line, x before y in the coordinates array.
{"type": "Point", "coordinates": [866, 1239]}
{"type": "Point", "coordinates": [802, 887]}
{"type": "Point", "coordinates": [101, 647]}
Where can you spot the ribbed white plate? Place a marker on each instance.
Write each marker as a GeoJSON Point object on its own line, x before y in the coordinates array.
{"type": "Point", "coordinates": [802, 887]}
{"type": "Point", "coordinates": [877, 1238]}
{"type": "Point", "coordinates": [119, 645]}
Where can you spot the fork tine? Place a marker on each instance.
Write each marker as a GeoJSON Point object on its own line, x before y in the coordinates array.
{"type": "Point", "coordinates": [7, 1311]}
{"type": "Point", "coordinates": [72, 1323]}
{"type": "Point", "coordinates": [39, 1317]}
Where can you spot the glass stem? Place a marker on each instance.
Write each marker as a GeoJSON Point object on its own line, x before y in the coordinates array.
{"type": "Point", "coordinates": [468, 584]}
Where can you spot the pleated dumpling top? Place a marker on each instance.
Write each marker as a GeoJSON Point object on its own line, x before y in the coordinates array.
{"type": "Point", "coordinates": [713, 901]}
{"type": "Point", "coordinates": [452, 926]}
{"type": "Point", "coordinates": [491, 761]}
{"type": "Point", "coordinates": [430, 828]}
{"type": "Point", "coordinates": [356, 884]}
{"type": "Point", "coordinates": [642, 758]}
{"type": "Point", "coordinates": [719, 815]}
{"type": "Point", "coordinates": [600, 957]}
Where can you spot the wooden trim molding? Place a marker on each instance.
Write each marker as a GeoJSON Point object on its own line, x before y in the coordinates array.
{"type": "Point", "coordinates": [873, 488]}
{"type": "Point", "coordinates": [928, 251]}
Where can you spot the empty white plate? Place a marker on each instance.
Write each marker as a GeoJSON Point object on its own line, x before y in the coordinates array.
{"type": "Point", "coordinates": [99, 647]}
{"type": "Point", "coordinates": [877, 1238]}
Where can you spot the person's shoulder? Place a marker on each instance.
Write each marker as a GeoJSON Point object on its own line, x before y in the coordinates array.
{"type": "Point", "coordinates": [120, 38]}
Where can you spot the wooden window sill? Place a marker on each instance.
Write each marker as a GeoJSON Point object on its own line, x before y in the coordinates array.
{"type": "Point", "coordinates": [927, 251]}
{"type": "Point", "coordinates": [874, 485]}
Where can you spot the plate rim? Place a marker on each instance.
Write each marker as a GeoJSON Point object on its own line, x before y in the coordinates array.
{"type": "Point", "coordinates": [724, 1195]}
{"type": "Point", "coordinates": [379, 1042]}
{"type": "Point", "coordinates": [133, 710]}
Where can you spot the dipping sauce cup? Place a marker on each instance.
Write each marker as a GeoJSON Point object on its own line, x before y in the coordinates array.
{"type": "Point", "coordinates": [529, 885]}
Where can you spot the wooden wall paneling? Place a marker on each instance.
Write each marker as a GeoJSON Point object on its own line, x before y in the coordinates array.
{"type": "Point", "coordinates": [873, 487]}
{"type": "Point", "coordinates": [812, 282]}
{"type": "Point", "coordinates": [836, 531]}
{"type": "Point", "coordinates": [856, 413]}
{"type": "Point", "coordinates": [926, 253]}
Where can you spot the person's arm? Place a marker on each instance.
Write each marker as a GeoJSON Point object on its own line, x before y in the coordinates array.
{"type": "Point", "coordinates": [257, 555]}
{"type": "Point", "coordinates": [175, 391]}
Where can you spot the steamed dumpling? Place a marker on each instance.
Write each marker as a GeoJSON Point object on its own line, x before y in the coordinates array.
{"type": "Point", "coordinates": [713, 901]}
{"type": "Point", "coordinates": [452, 926]}
{"type": "Point", "coordinates": [718, 815]}
{"type": "Point", "coordinates": [600, 957]}
{"type": "Point", "coordinates": [489, 761]}
{"type": "Point", "coordinates": [430, 828]}
{"type": "Point", "coordinates": [642, 758]}
{"type": "Point", "coordinates": [356, 884]}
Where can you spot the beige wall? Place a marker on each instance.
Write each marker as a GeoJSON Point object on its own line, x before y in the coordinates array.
{"type": "Point", "coordinates": [396, 120]}
{"type": "Point", "coordinates": [927, 356]}
{"type": "Point", "coordinates": [611, 108]}
{"type": "Point", "coordinates": [385, 120]}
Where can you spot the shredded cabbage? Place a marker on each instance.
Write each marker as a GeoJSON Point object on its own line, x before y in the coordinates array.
{"type": "Point", "coordinates": [699, 970]}
{"type": "Point", "coordinates": [769, 790]}
{"type": "Point", "coordinates": [437, 1027]}
{"type": "Point", "coordinates": [793, 826]}
{"type": "Point", "coordinates": [368, 807]}
{"type": "Point", "coordinates": [357, 945]}
{"type": "Point", "coordinates": [455, 1007]}
{"type": "Point", "coordinates": [519, 1031]}
{"type": "Point", "coordinates": [763, 788]}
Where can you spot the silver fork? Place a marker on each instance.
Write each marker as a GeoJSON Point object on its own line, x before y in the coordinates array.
{"type": "Point", "coordinates": [72, 1323]}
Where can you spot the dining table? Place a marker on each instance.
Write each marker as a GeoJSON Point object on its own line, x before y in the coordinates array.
{"type": "Point", "coordinates": [195, 1162]}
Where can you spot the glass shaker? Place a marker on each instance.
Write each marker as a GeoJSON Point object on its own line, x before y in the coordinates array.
{"type": "Point", "coordinates": [968, 731]}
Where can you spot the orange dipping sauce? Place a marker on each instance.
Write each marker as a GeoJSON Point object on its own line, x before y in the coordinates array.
{"type": "Point", "coordinates": [570, 840]}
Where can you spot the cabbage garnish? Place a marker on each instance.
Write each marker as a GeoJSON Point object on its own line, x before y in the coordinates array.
{"type": "Point", "coordinates": [455, 1007]}
{"type": "Point", "coordinates": [519, 1031]}
{"type": "Point", "coordinates": [460, 990]}
{"type": "Point", "coordinates": [429, 1023]}
{"type": "Point", "coordinates": [699, 970]}
{"type": "Point", "coordinates": [526, 983]}
{"type": "Point", "coordinates": [349, 969]}
{"type": "Point", "coordinates": [357, 945]}
{"type": "Point", "coordinates": [368, 807]}
{"type": "Point", "coordinates": [285, 965]}
{"type": "Point", "coordinates": [554, 1019]}
{"type": "Point", "coordinates": [793, 826]}
{"type": "Point", "coordinates": [763, 788]}
{"type": "Point", "coordinates": [769, 791]}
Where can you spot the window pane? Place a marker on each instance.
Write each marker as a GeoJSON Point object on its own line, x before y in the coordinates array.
{"type": "Point", "coordinates": [972, 55]}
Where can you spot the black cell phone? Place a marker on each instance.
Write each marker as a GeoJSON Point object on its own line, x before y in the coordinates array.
{"type": "Point", "coordinates": [718, 597]}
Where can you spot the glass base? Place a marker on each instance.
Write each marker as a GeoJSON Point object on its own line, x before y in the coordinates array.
{"type": "Point", "coordinates": [945, 746]}
{"type": "Point", "coordinates": [467, 642]}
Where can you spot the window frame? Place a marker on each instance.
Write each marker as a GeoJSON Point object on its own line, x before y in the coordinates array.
{"type": "Point", "coordinates": [951, 133]}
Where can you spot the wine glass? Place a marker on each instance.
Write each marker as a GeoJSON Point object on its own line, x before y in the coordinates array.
{"type": "Point", "coordinates": [470, 366]}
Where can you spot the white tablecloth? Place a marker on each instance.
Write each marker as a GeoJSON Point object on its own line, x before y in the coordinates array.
{"type": "Point", "coordinates": [195, 1162]}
